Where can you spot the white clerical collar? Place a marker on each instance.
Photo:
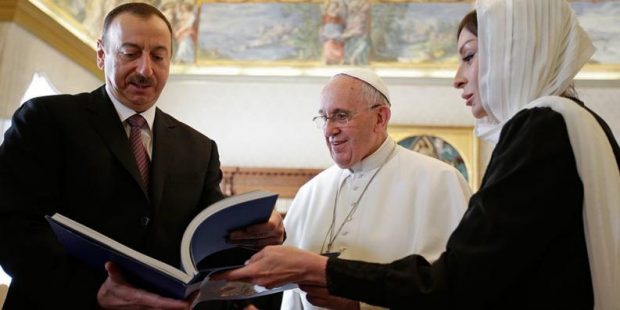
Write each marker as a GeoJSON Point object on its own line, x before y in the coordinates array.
{"type": "Point", "coordinates": [376, 159]}
{"type": "Point", "coordinates": [124, 112]}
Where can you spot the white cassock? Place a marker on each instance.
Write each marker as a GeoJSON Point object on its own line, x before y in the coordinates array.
{"type": "Point", "coordinates": [407, 203]}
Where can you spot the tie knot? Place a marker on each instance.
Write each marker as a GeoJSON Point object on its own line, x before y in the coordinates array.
{"type": "Point", "coordinates": [136, 120]}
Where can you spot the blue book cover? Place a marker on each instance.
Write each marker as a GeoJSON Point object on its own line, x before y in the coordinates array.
{"type": "Point", "coordinates": [203, 248]}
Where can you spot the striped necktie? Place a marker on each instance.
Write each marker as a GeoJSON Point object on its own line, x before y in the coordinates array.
{"type": "Point", "coordinates": [137, 122]}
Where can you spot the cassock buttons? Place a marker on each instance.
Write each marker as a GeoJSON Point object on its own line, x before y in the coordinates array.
{"type": "Point", "coordinates": [144, 221]}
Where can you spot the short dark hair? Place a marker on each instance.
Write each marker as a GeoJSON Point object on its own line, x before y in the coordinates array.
{"type": "Point", "coordinates": [469, 22]}
{"type": "Point", "coordinates": [135, 8]}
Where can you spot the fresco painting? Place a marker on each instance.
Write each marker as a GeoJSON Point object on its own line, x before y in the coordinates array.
{"type": "Point", "coordinates": [259, 32]}
{"type": "Point", "coordinates": [331, 32]}
{"type": "Point", "coordinates": [436, 147]}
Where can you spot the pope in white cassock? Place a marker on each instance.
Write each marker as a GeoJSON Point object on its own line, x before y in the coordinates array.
{"type": "Point", "coordinates": [380, 201]}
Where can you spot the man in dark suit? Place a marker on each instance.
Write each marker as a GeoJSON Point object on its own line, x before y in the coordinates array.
{"type": "Point", "coordinates": [71, 154]}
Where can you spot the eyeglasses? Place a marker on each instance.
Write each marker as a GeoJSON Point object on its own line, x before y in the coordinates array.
{"type": "Point", "coordinates": [341, 118]}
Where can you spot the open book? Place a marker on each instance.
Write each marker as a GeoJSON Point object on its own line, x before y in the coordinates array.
{"type": "Point", "coordinates": [204, 250]}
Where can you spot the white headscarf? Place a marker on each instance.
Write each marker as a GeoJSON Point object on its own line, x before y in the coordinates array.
{"type": "Point", "coordinates": [526, 49]}
{"type": "Point", "coordinates": [529, 51]}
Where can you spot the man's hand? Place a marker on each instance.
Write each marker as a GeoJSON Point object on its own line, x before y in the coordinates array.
{"type": "Point", "coordinates": [278, 265]}
{"type": "Point", "coordinates": [116, 293]}
{"type": "Point", "coordinates": [320, 297]}
{"type": "Point", "coordinates": [260, 235]}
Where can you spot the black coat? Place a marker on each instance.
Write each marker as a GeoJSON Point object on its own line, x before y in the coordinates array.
{"type": "Point", "coordinates": [70, 154]}
{"type": "Point", "coordinates": [520, 245]}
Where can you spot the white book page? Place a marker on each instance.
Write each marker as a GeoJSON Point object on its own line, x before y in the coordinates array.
{"type": "Point", "coordinates": [186, 255]}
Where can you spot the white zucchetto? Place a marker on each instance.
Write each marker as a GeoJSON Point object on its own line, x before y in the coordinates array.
{"type": "Point", "coordinates": [370, 77]}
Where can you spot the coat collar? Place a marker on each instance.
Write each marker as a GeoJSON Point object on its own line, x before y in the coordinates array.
{"type": "Point", "coordinates": [107, 123]}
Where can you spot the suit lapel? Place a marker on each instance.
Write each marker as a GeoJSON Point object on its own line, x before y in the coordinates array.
{"type": "Point", "coordinates": [163, 154]}
{"type": "Point", "coordinates": [106, 122]}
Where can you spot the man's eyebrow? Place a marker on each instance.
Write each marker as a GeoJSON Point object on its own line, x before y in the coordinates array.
{"type": "Point", "coordinates": [132, 45]}
{"type": "Point", "coordinates": [160, 48]}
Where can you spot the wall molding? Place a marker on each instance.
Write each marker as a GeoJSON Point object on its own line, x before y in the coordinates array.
{"type": "Point", "coordinates": [612, 80]}
{"type": "Point", "coordinates": [34, 20]}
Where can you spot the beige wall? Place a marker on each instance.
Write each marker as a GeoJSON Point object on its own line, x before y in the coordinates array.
{"type": "Point", "coordinates": [22, 54]}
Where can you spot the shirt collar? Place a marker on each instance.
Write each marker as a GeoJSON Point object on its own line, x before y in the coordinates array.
{"type": "Point", "coordinates": [376, 159]}
{"type": "Point", "coordinates": [124, 112]}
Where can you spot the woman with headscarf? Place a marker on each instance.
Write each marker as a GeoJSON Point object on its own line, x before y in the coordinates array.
{"type": "Point", "coordinates": [542, 232]}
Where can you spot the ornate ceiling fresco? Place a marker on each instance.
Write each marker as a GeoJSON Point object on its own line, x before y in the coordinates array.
{"type": "Point", "coordinates": [311, 35]}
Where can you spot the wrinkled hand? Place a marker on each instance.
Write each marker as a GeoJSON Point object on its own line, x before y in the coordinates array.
{"type": "Point", "coordinates": [260, 235]}
{"type": "Point", "coordinates": [278, 265]}
{"type": "Point", "coordinates": [320, 297]}
{"type": "Point", "coordinates": [116, 293]}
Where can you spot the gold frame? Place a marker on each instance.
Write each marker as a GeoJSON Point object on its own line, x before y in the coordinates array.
{"type": "Point", "coordinates": [31, 17]}
{"type": "Point", "coordinates": [461, 138]}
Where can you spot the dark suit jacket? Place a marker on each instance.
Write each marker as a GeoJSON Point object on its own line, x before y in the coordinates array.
{"type": "Point", "coordinates": [70, 154]}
